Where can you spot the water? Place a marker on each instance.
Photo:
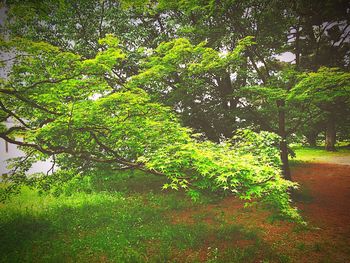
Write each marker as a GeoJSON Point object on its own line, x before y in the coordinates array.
{"type": "Point", "coordinates": [13, 151]}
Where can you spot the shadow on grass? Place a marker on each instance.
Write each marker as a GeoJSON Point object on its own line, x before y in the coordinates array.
{"type": "Point", "coordinates": [120, 228]}
{"type": "Point", "coordinates": [129, 182]}
{"type": "Point", "coordinates": [22, 230]}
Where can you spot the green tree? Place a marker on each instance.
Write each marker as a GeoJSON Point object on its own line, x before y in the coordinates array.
{"type": "Point", "coordinates": [222, 25]}
{"type": "Point", "coordinates": [65, 108]}
{"type": "Point", "coordinates": [317, 33]}
{"type": "Point", "coordinates": [188, 78]}
{"type": "Point", "coordinates": [319, 37]}
{"type": "Point", "coordinates": [320, 34]}
{"type": "Point", "coordinates": [329, 90]}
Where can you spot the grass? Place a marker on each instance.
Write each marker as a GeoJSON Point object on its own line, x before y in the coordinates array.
{"type": "Point", "coordinates": [313, 154]}
{"type": "Point", "coordinates": [124, 219]}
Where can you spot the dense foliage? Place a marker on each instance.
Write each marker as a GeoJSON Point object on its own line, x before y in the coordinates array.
{"type": "Point", "coordinates": [66, 109]}
{"type": "Point", "coordinates": [327, 94]}
{"type": "Point", "coordinates": [314, 33]}
{"type": "Point", "coordinates": [91, 102]}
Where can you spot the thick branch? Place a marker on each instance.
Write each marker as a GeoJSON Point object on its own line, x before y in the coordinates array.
{"type": "Point", "coordinates": [13, 115]}
{"type": "Point", "coordinates": [24, 99]}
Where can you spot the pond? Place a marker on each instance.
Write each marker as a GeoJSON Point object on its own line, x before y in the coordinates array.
{"type": "Point", "coordinates": [8, 151]}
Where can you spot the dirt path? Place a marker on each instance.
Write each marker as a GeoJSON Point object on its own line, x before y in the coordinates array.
{"type": "Point", "coordinates": [325, 205]}
{"type": "Point", "coordinates": [329, 190]}
{"type": "Point", "coordinates": [328, 208]}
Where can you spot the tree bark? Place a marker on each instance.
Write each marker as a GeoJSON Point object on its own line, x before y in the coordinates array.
{"type": "Point", "coordinates": [311, 138]}
{"type": "Point", "coordinates": [330, 134]}
{"type": "Point", "coordinates": [283, 143]}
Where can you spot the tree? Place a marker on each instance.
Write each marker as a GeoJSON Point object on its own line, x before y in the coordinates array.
{"type": "Point", "coordinates": [329, 90]}
{"type": "Point", "coordinates": [78, 25]}
{"type": "Point", "coordinates": [320, 38]}
{"type": "Point", "coordinates": [222, 25]}
{"type": "Point", "coordinates": [320, 34]}
{"type": "Point", "coordinates": [317, 33]}
{"type": "Point", "coordinates": [65, 108]}
{"type": "Point", "coordinates": [188, 78]}
{"type": "Point", "coordinates": [312, 130]}
{"type": "Point", "coordinates": [270, 102]}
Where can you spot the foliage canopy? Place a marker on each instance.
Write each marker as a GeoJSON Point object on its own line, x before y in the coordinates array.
{"type": "Point", "coordinates": [92, 102]}
{"type": "Point", "coordinates": [67, 109]}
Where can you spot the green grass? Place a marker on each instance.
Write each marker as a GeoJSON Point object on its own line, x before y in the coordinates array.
{"type": "Point", "coordinates": [312, 154]}
{"type": "Point", "coordinates": [124, 219]}
{"type": "Point", "coordinates": [85, 227]}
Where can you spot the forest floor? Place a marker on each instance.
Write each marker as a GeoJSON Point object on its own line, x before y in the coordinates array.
{"type": "Point", "coordinates": [131, 220]}
{"type": "Point", "coordinates": [323, 200]}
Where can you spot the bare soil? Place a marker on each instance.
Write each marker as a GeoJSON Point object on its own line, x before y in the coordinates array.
{"type": "Point", "coordinates": [324, 202]}
{"type": "Point", "coordinates": [329, 186]}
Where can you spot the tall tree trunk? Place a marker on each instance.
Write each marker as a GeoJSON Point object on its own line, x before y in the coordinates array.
{"type": "Point", "coordinates": [311, 138]}
{"type": "Point", "coordinates": [228, 104]}
{"type": "Point", "coordinates": [283, 142]}
{"type": "Point", "coordinates": [330, 133]}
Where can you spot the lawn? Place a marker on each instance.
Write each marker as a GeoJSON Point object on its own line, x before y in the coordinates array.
{"type": "Point", "coordinates": [318, 154]}
{"type": "Point", "coordinates": [128, 218]}
{"type": "Point", "coordinates": [123, 220]}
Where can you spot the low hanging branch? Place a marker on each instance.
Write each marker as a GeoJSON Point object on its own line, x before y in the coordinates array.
{"type": "Point", "coordinates": [124, 129]}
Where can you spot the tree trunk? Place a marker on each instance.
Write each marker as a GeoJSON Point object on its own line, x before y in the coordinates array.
{"type": "Point", "coordinates": [330, 133]}
{"type": "Point", "coordinates": [311, 138]}
{"type": "Point", "coordinates": [283, 142]}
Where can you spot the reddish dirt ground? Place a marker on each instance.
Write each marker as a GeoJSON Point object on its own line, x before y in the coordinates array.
{"type": "Point", "coordinates": [329, 208]}
{"type": "Point", "coordinates": [324, 202]}
{"type": "Point", "coordinates": [329, 187]}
